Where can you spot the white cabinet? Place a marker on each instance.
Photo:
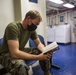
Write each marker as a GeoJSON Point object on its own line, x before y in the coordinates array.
{"type": "Point", "coordinates": [50, 34]}
{"type": "Point", "coordinates": [60, 34]}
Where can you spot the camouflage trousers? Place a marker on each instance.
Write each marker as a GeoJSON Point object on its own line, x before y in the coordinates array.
{"type": "Point", "coordinates": [19, 66]}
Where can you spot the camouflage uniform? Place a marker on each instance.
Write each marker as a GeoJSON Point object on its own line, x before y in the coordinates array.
{"type": "Point", "coordinates": [18, 66]}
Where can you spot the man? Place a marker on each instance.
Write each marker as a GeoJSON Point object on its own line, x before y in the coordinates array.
{"type": "Point", "coordinates": [12, 52]}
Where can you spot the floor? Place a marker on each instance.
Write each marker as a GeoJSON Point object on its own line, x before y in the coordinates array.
{"type": "Point", "coordinates": [65, 57]}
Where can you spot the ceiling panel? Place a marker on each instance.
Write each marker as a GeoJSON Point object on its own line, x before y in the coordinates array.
{"type": "Point", "coordinates": [52, 7]}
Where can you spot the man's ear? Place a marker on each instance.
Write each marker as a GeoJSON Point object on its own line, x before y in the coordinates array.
{"type": "Point", "coordinates": [28, 17]}
{"type": "Point", "coordinates": [29, 20]}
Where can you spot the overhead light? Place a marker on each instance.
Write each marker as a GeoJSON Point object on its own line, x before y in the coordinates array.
{"type": "Point", "coordinates": [56, 1]}
{"type": "Point", "coordinates": [68, 5]}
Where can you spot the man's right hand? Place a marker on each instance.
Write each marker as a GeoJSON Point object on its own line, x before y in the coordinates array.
{"type": "Point", "coordinates": [46, 56]}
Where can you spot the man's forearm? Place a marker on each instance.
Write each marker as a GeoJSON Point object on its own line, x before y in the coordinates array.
{"type": "Point", "coordinates": [24, 55]}
{"type": "Point", "coordinates": [40, 47]}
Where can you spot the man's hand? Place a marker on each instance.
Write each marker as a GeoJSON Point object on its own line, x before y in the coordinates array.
{"type": "Point", "coordinates": [46, 56]}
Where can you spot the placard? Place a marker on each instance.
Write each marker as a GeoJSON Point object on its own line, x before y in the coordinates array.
{"type": "Point", "coordinates": [61, 18]}
{"type": "Point", "coordinates": [34, 1]}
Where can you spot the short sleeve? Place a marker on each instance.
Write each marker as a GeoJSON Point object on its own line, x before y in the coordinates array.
{"type": "Point", "coordinates": [11, 32]}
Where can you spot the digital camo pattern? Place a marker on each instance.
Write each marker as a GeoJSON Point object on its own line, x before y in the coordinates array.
{"type": "Point", "coordinates": [18, 66]}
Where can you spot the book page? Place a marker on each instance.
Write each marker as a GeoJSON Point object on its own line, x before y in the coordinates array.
{"type": "Point", "coordinates": [51, 47]}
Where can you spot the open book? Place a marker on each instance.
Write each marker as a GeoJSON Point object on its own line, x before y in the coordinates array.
{"type": "Point", "coordinates": [51, 47]}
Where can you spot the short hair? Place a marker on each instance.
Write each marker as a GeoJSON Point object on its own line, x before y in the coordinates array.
{"type": "Point", "coordinates": [33, 15]}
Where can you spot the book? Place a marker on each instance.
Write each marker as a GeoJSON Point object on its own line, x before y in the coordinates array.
{"type": "Point", "coordinates": [51, 47]}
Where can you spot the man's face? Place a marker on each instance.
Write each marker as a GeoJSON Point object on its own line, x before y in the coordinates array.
{"type": "Point", "coordinates": [32, 24]}
{"type": "Point", "coordinates": [34, 21]}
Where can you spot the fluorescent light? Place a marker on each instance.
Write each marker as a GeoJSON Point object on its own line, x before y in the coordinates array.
{"type": "Point", "coordinates": [68, 5]}
{"type": "Point", "coordinates": [56, 1]}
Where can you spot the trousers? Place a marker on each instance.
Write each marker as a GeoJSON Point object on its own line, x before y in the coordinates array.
{"type": "Point", "coordinates": [19, 66]}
